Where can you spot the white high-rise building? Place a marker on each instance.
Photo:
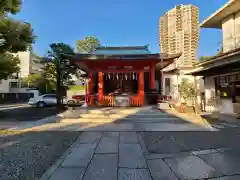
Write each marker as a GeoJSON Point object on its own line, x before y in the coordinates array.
{"type": "Point", "coordinates": [179, 32]}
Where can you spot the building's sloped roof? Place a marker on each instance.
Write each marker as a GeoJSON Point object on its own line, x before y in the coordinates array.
{"type": "Point", "coordinates": [121, 50]}
{"type": "Point", "coordinates": [219, 63]}
{"type": "Point", "coordinates": [215, 20]}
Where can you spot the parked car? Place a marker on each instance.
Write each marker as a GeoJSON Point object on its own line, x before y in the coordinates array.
{"type": "Point", "coordinates": [44, 100]}
{"type": "Point", "coordinates": [77, 100]}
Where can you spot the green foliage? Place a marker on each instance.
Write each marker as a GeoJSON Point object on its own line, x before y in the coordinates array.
{"type": "Point", "coordinates": [67, 68]}
{"type": "Point", "coordinates": [77, 88]}
{"type": "Point", "coordinates": [33, 80]}
{"type": "Point", "coordinates": [38, 81]}
{"type": "Point", "coordinates": [10, 6]}
{"type": "Point", "coordinates": [8, 65]}
{"type": "Point", "coordinates": [15, 36]}
{"type": "Point", "coordinates": [187, 89]}
{"type": "Point", "coordinates": [88, 44]}
{"type": "Point", "coordinates": [204, 58]}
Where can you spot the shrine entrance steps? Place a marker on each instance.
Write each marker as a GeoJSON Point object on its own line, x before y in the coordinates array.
{"type": "Point", "coordinates": [124, 119]}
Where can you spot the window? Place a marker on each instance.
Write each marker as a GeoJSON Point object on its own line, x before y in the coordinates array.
{"type": "Point", "coordinates": [50, 96]}
{"type": "Point", "coordinates": [13, 85]}
{"type": "Point", "coordinates": [223, 86]}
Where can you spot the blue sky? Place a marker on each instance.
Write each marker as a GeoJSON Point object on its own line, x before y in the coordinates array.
{"type": "Point", "coordinates": [114, 22]}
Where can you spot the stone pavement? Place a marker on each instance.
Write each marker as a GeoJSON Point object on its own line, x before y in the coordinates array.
{"type": "Point", "coordinates": [143, 144]}
{"type": "Point", "coordinates": [103, 156]}
{"type": "Point", "coordinates": [123, 156]}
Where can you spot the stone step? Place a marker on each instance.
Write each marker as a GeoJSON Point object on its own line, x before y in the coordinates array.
{"type": "Point", "coordinates": [120, 115]}
{"type": "Point", "coordinates": [121, 120]}
{"type": "Point", "coordinates": [119, 111]}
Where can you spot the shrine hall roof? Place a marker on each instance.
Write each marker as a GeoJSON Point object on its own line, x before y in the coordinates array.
{"type": "Point", "coordinates": [121, 50]}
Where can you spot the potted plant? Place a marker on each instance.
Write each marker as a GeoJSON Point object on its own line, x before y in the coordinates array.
{"type": "Point", "coordinates": [187, 91]}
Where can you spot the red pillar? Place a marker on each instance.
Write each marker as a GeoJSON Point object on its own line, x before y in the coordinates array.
{"type": "Point", "coordinates": [141, 87]}
{"type": "Point", "coordinates": [100, 87]}
{"type": "Point", "coordinates": [152, 77]}
{"type": "Point", "coordinates": [90, 88]}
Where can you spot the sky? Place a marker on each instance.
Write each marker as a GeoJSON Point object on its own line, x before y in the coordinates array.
{"type": "Point", "coordinates": [114, 22]}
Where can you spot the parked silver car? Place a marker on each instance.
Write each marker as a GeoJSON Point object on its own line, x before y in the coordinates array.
{"type": "Point", "coordinates": [44, 100]}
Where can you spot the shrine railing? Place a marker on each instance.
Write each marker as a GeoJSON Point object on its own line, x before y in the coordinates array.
{"type": "Point", "coordinates": [137, 100]}
{"type": "Point", "coordinates": [108, 100]}
{"type": "Point", "coordinates": [91, 100]}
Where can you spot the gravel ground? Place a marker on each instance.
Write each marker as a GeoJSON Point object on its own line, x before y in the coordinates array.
{"type": "Point", "coordinates": [27, 156]}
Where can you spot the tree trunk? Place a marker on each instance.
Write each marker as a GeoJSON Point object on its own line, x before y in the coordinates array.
{"type": "Point", "coordinates": [58, 88]}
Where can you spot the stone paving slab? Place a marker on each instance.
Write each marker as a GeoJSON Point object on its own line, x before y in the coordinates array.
{"type": "Point", "coordinates": [152, 156]}
{"type": "Point", "coordinates": [128, 137]}
{"type": "Point", "coordinates": [143, 146]}
{"type": "Point", "coordinates": [227, 178]}
{"type": "Point", "coordinates": [133, 174]}
{"type": "Point", "coordinates": [206, 151]}
{"type": "Point", "coordinates": [68, 174]}
{"type": "Point", "coordinates": [108, 127]}
{"type": "Point", "coordinates": [160, 171]}
{"type": "Point", "coordinates": [90, 137]}
{"type": "Point", "coordinates": [171, 127]}
{"type": "Point", "coordinates": [166, 146]}
{"type": "Point", "coordinates": [131, 156]}
{"type": "Point", "coordinates": [108, 145]}
{"type": "Point", "coordinates": [80, 156]}
{"type": "Point", "coordinates": [191, 167]}
{"type": "Point", "coordinates": [111, 134]}
{"type": "Point", "coordinates": [102, 167]}
{"type": "Point", "coordinates": [227, 162]}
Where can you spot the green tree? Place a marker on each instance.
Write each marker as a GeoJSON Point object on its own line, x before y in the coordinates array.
{"type": "Point", "coordinates": [8, 65]}
{"type": "Point", "coordinates": [40, 82]}
{"type": "Point", "coordinates": [187, 90]}
{"type": "Point", "coordinates": [15, 36]}
{"type": "Point", "coordinates": [88, 44]}
{"type": "Point", "coordinates": [55, 56]}
{"type": "Point", "coordinates": [204, 58]}
{"type": "Point", "coordinates": [60, 67]}
{"type": "Point", "coordinates": [10, 6]}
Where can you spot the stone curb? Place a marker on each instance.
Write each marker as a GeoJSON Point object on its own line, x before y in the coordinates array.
{"type": "Point", "coordinates": [189, 118]}
{"type": "Point", "coordinates": [47, 174]}
{"type": "Point", "coordinates": [2, 108]}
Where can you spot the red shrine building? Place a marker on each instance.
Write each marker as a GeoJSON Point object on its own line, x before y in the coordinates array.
{"type": "Point", "coordinates": [122, 76]}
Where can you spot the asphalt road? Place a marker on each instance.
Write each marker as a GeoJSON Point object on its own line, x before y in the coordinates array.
{"type": "Point", "coordinates": [26, 113]}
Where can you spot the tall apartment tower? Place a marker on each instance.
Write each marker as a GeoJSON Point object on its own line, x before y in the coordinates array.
{"type": "Point", "coordinates": [179, 32]}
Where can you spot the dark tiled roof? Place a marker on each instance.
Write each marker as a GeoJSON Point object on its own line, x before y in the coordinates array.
{"type": "Point", "coordinates": [121, 50]}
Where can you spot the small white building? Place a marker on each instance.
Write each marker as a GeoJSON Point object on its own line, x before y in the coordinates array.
{"type": "Point", "coordinates": [222, 73]}
{"type": "Point", "coordinates": [172, 78]}
{"type": "Point", "coordinates": [29, 63]}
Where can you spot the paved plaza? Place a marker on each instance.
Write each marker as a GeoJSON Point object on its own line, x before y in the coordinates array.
{"type": "Point", "coordinates": [122, 153]}
{"type": "Point", "coordinates": [124, 156]}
